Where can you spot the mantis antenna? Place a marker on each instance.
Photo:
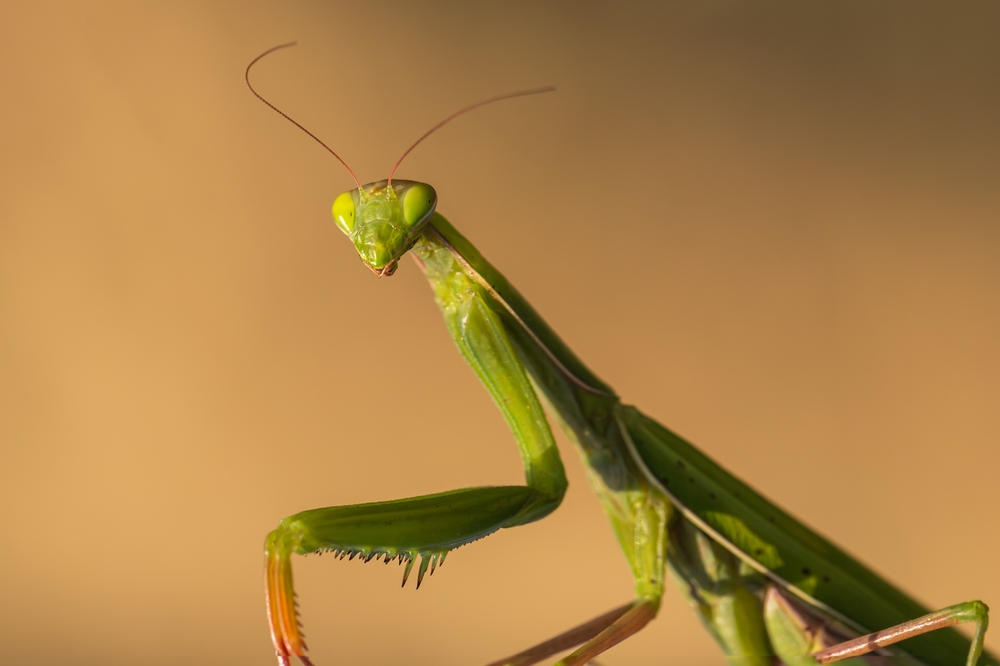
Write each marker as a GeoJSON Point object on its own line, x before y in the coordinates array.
{"type": "Point", "coordinates": [519, 93]}
{"type": "Point", "coordinates": [289, 118]}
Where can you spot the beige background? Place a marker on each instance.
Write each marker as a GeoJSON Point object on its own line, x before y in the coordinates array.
{"type": "Point", "coordinates": [775, 229]}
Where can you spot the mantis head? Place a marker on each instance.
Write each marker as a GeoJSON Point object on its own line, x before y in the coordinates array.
{"type": "Point", "coordinates": [384, 219]}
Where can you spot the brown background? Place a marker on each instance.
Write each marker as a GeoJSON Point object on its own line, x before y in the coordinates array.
{"type": "Point", "coordinates": [774, 228]}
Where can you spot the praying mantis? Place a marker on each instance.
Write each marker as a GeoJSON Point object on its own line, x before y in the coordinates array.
{"type": "Point", "coordinates": [766, 587]}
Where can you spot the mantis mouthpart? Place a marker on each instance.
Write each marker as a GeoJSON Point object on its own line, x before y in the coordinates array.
{"type": "Point", "coordinates": [767, 588]}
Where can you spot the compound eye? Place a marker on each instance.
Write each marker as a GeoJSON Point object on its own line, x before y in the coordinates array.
{"type": "Point", "coordinates": [418, 203]}
{"type": "Point", "coordinates": [343, 212]}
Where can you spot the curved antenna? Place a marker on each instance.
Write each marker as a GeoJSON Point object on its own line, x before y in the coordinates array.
{"type": "Point", "coordinates": [286, 116]}
{"type": "Point", "coordinates": [519, 93]}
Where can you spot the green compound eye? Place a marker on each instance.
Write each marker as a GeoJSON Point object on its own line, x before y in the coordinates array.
{"type": "Point", "coordinates": [343, 212]}
{"type": "Point", "coordinates": [418, 202]}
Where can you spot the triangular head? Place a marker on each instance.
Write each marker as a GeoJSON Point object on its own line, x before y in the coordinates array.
{"type": "Point", "coordinates": [384, 221]}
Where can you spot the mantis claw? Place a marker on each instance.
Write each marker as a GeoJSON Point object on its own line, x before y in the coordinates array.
{"type": "Point", "coordinates": [424, 527]}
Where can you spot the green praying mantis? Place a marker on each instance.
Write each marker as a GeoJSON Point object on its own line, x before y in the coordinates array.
{"type": "Point", "coordinates": [766, 587]}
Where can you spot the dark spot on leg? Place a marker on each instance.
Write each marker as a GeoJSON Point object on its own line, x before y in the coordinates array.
{"type": "Point", "coordinates": [805, 571]}
{"type": "Point", "coordinates": [711, 495]}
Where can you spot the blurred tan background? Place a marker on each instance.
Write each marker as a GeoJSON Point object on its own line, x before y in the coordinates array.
{"type": "Point", "coordinates": [775, 228]}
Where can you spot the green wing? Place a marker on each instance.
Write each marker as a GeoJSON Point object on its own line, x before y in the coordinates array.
{"type": "Point", "coordinates": [802, 561]}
